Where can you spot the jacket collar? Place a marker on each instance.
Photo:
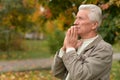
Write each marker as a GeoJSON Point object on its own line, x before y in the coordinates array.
{"type": "Point", "coordinates": [94, 43]}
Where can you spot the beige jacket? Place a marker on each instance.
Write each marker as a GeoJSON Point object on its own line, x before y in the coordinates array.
{"type": "Point", "coordinates": [94, 63]}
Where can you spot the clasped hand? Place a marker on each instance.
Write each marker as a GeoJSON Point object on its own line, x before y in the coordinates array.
{"type": "Point", "coordinates": [71, 39]}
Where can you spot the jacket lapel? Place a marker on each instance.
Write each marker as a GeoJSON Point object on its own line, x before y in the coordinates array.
{"type": "Point", "coordinates": [91, 45]}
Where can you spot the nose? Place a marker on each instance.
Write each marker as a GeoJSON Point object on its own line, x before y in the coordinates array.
{"type": "Point", "coordinates": [76, 22]}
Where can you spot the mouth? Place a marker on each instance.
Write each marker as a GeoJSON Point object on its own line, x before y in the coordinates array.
{"type": "Point", "coordinates": [74, 24]}
{"type": "Point", "coordinates": [77, 27]}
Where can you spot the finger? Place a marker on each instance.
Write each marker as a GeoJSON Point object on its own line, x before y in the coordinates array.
{"type": "Point", "coordinates": [74, 34]}
{"type": "Point", "coordinates": [68, 34]}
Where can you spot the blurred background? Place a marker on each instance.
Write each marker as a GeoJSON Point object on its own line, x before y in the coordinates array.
{"type": "Point", "coordinates": [35, 29]}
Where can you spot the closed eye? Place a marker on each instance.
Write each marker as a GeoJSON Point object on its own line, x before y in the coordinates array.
{"type": "Point", "coordinates": [80, 18]}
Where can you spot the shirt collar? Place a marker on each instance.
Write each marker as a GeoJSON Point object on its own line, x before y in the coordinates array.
{"type": "Point", "coordinates": [90, 39]}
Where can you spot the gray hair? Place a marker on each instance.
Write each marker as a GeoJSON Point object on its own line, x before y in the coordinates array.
{"type": "Point", "coordinates": [95, 12]}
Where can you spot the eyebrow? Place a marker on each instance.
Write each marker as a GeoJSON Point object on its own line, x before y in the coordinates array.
{"type": "Point", "coordinates": [79, 17]}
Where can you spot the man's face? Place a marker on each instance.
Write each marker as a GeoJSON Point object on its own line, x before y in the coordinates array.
{"type": "Point", "coordinates": [82, 23]}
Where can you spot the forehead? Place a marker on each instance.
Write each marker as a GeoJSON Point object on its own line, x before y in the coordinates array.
{"type": "Point", "coordinates": [83, 13]}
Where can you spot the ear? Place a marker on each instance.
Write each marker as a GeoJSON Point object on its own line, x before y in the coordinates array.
{"type": "Point", "coordinates": [94, 25]}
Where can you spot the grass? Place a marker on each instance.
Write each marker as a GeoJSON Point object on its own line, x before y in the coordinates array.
{"type": "Point", "coordinates": [115, 72]}
{"type": "Point", "coordinates": [38, 49]}
{"type": "Point", "coordinates": [116, 48]}
{"type": "Point", "coordinates": [34, 49]}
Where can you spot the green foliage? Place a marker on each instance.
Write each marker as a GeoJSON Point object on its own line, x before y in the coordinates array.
{"type": "Point", "coordinates": [3, 42]}
{"type": "Point", "coordinates": [55, 40]}
{"type": "Point", "coordinates": [68, 4]}
{"type": "Point", "coordinates": [115, 72]}
{"type": "Point", "coordinates": [16, 14]}
{"type": "Point", "coordinates": [10, 40]}
{"type": "Point", "coordinates": [57, 9]}
{"type": "Point", "coordinates": [110, 28]}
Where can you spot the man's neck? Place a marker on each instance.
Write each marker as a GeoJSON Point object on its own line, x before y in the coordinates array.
{"type": "Point", "coordinates": [89, 36]}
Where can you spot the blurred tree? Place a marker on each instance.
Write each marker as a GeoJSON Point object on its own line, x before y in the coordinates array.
{"type": "Point", "coordinates": [16, 14]}
{"type": "Point", "coordinates": [15, 18]}
{"type": "Point", "coordinates": [110, 29]}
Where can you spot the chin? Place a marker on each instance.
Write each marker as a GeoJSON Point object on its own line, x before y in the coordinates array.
{"type": "Point", "coordinates": [79, 34]}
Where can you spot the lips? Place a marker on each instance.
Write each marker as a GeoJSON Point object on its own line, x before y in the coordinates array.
{"type": "Point", "coordinates": [74, 24]}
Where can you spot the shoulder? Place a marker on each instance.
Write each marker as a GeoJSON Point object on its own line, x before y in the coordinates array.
{"type": "Point", "coordinates": [103, 50]}
{"type": "Point", "coordinates": [100, 43]}
{"type": "Point", "coordinates": [104, 44]}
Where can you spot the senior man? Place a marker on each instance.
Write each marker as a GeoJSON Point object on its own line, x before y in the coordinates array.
{"type": "Point", "coordinates": [87, 58]}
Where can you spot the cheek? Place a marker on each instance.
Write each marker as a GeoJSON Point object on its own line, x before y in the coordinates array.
{"type": "Point", "coordinates": [84, 29]}
{"type": "Point", "coordinates": [86, 26]}
{"type": "Point", "coordinates": [81, 29]}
